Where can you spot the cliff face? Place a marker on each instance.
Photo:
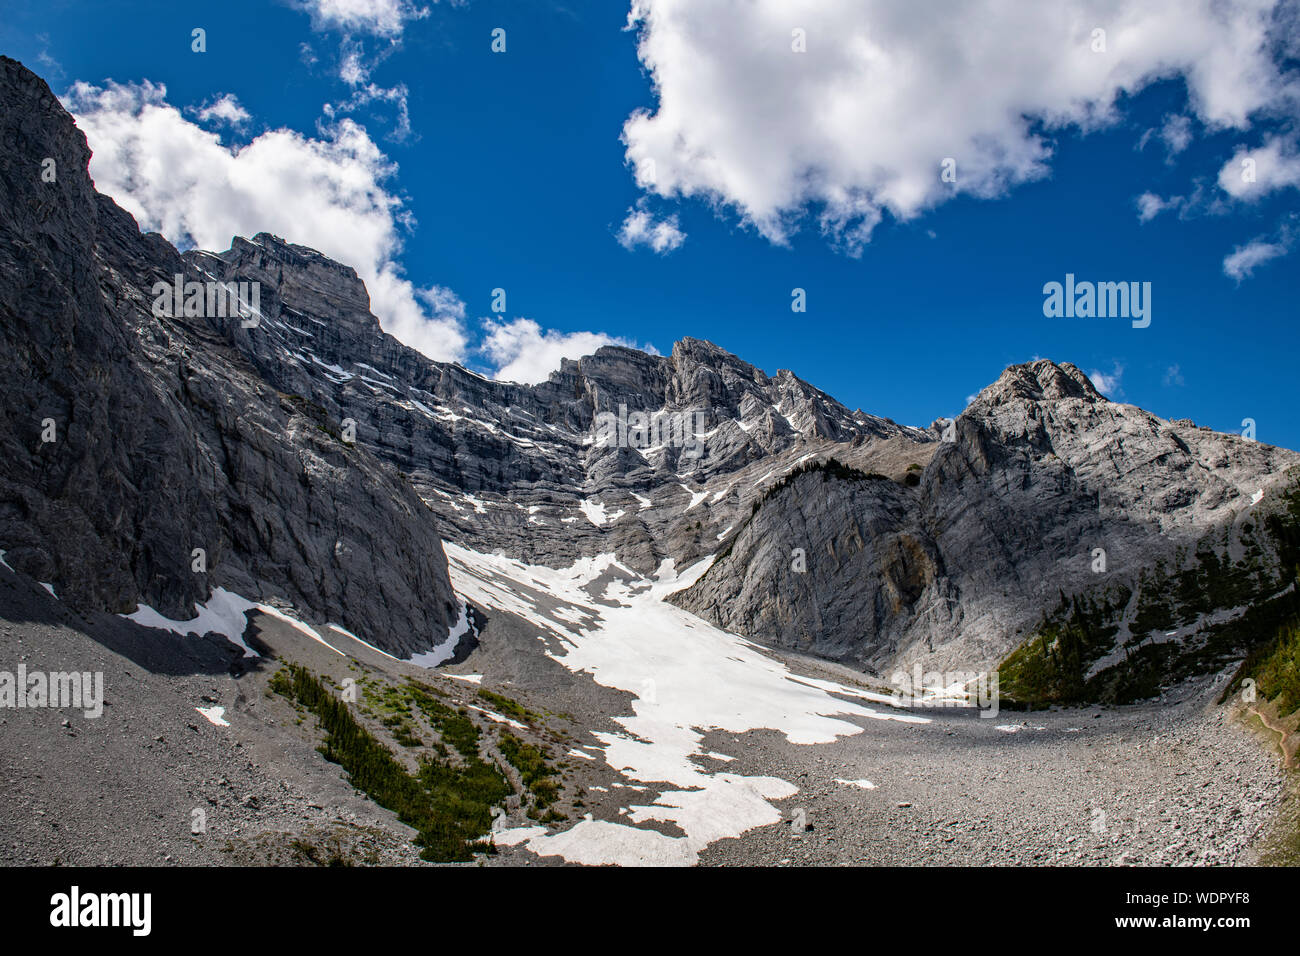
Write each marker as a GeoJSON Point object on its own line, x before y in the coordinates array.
{"type": "Point", "coordinates": [165, 438]}
{"type": "Point", "coordinates": [1044, 489]}
{"type": "Point", "coordinates": [318, 460]}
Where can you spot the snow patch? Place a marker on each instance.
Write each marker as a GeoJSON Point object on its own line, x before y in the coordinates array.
{"type": "Point", "coordinates": [447, 649]}
{"type": "Point", "coordinates": [596, 513]}
{"type": "Point", "coordinates": [215, 715]}
{"type": "Point", "coordinates": [498, 718]}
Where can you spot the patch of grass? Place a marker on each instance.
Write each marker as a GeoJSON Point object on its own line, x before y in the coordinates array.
{"type": "Point", "coordinates": [1275, 664]}
{"type": "Point", "coordinates": [315, 854]}
{"type": "Point", "coordinates": [531, 762]}
{"type": "Point", "coordinates": [1278, 673]}
{"type": "Point", "coordinates": [511, 708]}
{"type": "Point", "coordinates": [454, 726]}
{"type": "Point", "coordinates": [450, 806]}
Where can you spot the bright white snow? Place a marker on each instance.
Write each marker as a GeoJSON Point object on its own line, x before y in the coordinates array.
{"type": "Point", "coordinates": [223, 614]}
{"type": "Point", "coordinates": [688, 677]}
{"type": "Point", "coordinates": [215, 715]}
{"type": "Point", "coordinates": [447, 649]}
{"type": "Point", "coordinates": [596, 513]}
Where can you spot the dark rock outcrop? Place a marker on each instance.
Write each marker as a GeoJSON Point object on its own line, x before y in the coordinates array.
{"type": "Point", "coordinates": [165, 437]}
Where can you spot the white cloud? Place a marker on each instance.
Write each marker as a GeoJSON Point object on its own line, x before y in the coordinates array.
{"type": "Point", "coordinates": [328, 193]}
{"type": "Point", "coordinates": [224, 109]}
{"type": "Point", "coordinates": [352, 70]}
{"type": "Point", "coordinates": [385, 18]}
{"type": "Point", "coordinates": [1150, 205]}
{"type": "Point", "coordinates": [442, 301]}
{"type": "Point", "coordinates": [371, 93]}
{"type": "Point", "coordinates": [641, 228]}
{"type": "Point", "coordinates": [1252, 173]}
{"type": "Point", "coordinates": [355, 69]}
{"type": "Point", "coordinates": [1242, 261]}
{"type": "Point", "coordinates": [1176, 133]}
{"type": "Point", "coordinates": [1174, 376]}
{"type": "Point", "coordinates": [859, 125]}
{"type": "Point", "coordinates": [524, 353]}
{"type": "Point", "coordinates": [1108, 383]}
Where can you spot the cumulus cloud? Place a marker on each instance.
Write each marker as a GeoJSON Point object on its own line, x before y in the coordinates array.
{"type": "Point", "coordinates": [352, 70]}
{"type": "Point", "coordinates": [1150, 205]}
{"type": "Point", "coordinates": [524, 353]}
{"type": "Point", "coordinates": [223, 109]}
{"type": "Point", "coordinates": [1174, 376]}
{"type": "Point", "coordinates": [329, 193]}
{"type": "Point", "coordinates": [1175, 133]}
{"type": "Point", "coordinates": [641, 228]}
{"type": "Point", "coordinates": [385, 18]}
{"type": "Point", "coordinates": [1253, 173]}
{"type": "Point", "coordinates": [397, 96]}
{"type": "Point", "coordinates": [860, 124]}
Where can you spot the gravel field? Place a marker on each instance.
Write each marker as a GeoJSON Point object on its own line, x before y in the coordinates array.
{"type": "Point", "coordinates": [1181, 782]}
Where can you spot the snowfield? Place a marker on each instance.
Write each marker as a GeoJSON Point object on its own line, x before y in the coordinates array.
{"type": "Point", "coordinates": [688, 678]}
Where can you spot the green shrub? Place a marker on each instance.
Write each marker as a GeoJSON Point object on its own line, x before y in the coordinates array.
{"type": "Point", "coordinates": [451, 807]}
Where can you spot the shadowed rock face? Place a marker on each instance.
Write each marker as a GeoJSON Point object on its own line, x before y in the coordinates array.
{"type": "Point", "coordinates": [943, 545]}
{"type": "Point", "coordinates": [167, 438]}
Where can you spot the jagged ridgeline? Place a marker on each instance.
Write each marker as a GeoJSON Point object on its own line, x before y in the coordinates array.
{"type": "Point", "coordinates": [319, 462]}
{"type": "Point", "coordinates": [1119, 644]}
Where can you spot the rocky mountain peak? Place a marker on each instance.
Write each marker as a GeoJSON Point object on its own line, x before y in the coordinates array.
{"type": "Point", "coordinates": [1039, 381]}
{"type": "Point", "coordinates": [134, 439]}
{"type": "Point", "coordinates": [304, 280]}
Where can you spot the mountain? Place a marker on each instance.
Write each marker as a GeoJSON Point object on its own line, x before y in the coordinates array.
{"type": "Point", "coordinates": [642, 612]}
{"type": "Point", "coordinates": [1044, 492]}
{"type": "Point", "coordinates": [165, 437]}
{"type": "Point", "coordinates": [320, 463]}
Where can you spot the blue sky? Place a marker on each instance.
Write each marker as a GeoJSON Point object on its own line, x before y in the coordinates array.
{"type": "Point", "coordinates": [514, 174]}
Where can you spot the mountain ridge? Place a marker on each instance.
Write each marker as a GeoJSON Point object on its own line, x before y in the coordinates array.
{"type": "Point", "coordinates": [323, 462]}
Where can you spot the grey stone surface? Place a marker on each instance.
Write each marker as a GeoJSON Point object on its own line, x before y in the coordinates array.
{"type": "Point", "coordinates": [180, 433]}
{"type": "Point", "coordinates": [167, 437]}
{"type": "Point", "coordinates": [956, 570]}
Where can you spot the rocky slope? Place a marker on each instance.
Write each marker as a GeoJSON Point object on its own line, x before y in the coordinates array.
{"type": "Point", "coordinates": [320, 461]}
